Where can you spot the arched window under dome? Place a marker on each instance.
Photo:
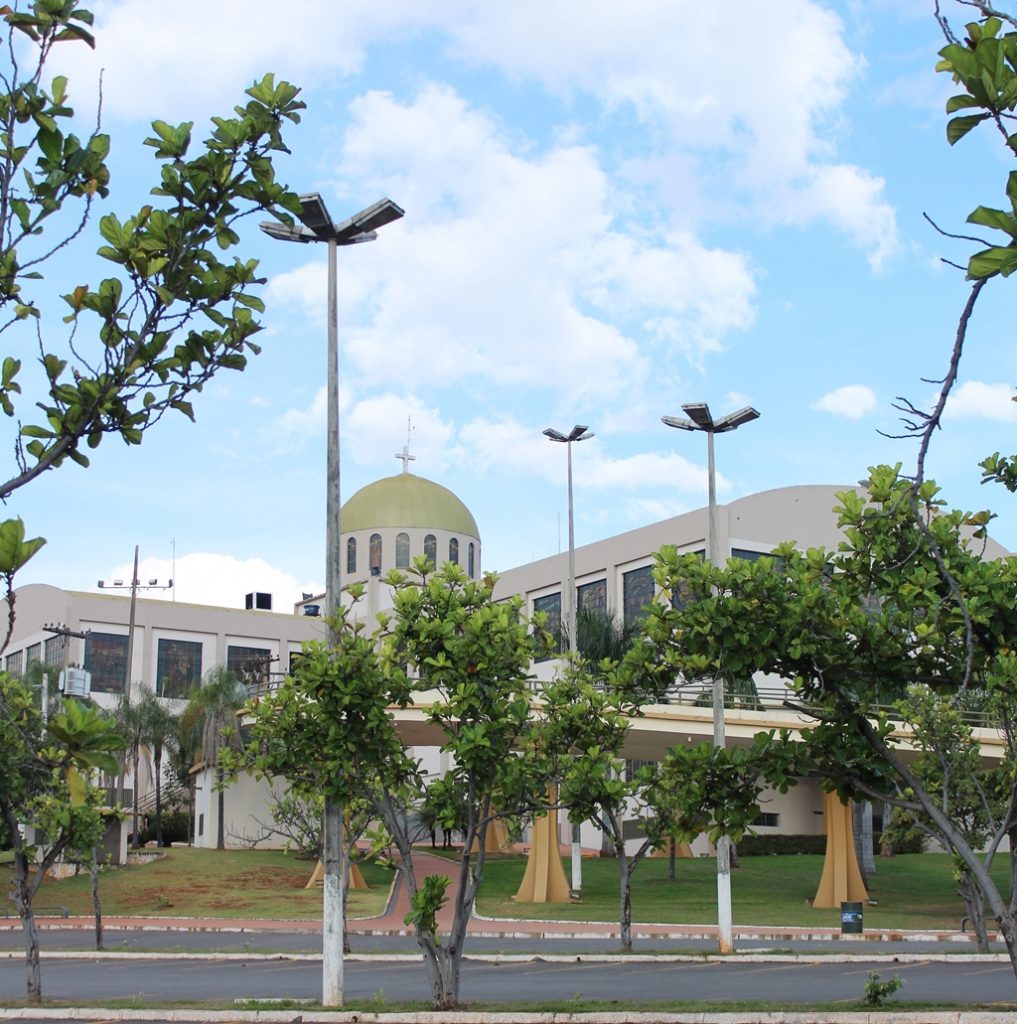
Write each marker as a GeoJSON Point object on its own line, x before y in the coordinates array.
{"type": "Point", "coordinates": [402, 550]}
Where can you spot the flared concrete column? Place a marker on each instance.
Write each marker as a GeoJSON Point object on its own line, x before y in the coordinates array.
{"type": "Point", "coordinates": [544, 880]}
{"type": "Point", "coordinates": [841, 879]}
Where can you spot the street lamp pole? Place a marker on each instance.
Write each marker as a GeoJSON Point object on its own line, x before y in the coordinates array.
{"type": "Point", "coordinates": [701, 420]}
{"type": "Point", "coordinates": [134, 586]}
{"type": "Point", "coordinates": [578, 433]}
{"type": "Point", "coordinates": [317, 226]}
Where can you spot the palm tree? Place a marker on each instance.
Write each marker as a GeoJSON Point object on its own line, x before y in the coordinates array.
{"type": "Point", "coordinates": [600, 636]}
{"type": "Point", "coordinates": [163, 736]}
{"type": "Point", "coordinates": [212, 714]}
{"type": "Point", "coordinates": [134, 722]}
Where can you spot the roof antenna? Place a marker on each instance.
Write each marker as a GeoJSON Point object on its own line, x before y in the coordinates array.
{"type": "Point", "coordinates": [405, 453]}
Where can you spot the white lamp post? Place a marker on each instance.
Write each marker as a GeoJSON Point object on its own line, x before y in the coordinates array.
{"type": "Point", "coordinates": [318, 226]}
{"type": "Point", "coordinates": [134, 586]}
{"type": "Point", "coordinates": [700, 419]}
{"type": "Point", "coordinates": [577, 433]}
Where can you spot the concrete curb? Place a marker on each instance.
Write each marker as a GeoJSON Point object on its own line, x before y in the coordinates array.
{"type": "Point", "coordinates": [269, 1016]}
{"type": "Point", "coordinates": [753, 957]}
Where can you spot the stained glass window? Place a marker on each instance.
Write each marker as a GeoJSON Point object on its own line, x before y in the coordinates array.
{"type": "Point", "coordinates": [592, 597]}
{"type": "Point", "coordinates": [53, 651]}
{"type": "Point", "coordinates": [431, 549]}
{"type": "Point", "coordinates": [470, 556]}
{"type": "Point", "coordinates": [106, 659]}
{"type": "Point", "coordinates": [550, 605]}
{"type": "Point", "coordinates": [375, 554]}
{"type": "Point", "coordinates": [178, 667]}
{"type": "Point", "coordinates": [453, 551]}
{"type": "Point", "coordinates": [351, 554]}
{"type": "Point", "coordinates": [249, 664]}
{"type": "Point", "coordinates": [402, 550]}
{"type": "Point", "coordinates": [637, 593]}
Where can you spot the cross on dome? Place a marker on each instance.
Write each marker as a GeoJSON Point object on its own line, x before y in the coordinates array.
{"type": "Point", "coordinates": [405, 453]}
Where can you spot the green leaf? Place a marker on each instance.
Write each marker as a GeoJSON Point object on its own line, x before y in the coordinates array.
{"type": "Point", "coordinates": [998, 219]}
{"type": "Point", "coordinates": [989, 262]}
{"type": "Point", "coordinates": [15, 551]}
{"type": "Point", "coordinates": [958, 127]}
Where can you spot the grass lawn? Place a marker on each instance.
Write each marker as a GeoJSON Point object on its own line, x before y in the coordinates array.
{"type": "Point", "coordinates": [911, 890]}
{"type": "Point", "coordinates": [190, 882]}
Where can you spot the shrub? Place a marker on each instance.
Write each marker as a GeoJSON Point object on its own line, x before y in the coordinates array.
{"type": "Point", "coordinates": [879, 989]}
{"type": "Point", "coordinates": [758, 846]}
{"type": "Point", "coordinates": [174, 828]}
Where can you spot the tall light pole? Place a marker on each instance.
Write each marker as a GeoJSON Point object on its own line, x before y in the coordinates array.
{"type": "Point", "coordinates": [134, 586]}
{"type": "Point", "coordinates": [577, 433]}
{"type": "Point", "coordinates": [317, 226]}
{"type": "Point", "coordinates": [700, 419]}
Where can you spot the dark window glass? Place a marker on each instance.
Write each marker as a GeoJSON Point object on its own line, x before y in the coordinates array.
{"type": "Point", "coordinates": [178, 667]}
{"type": "Point", "coordinates": [550, 605]}
{"type": "Point", "coordinates": [680, 594]}
{"type": "Point", "coordinates": [351, 555]}
{"type": "Point", "coordinates": [33, 655]}
{"type": "Point", "coordinates": [106, 659]}
{"type": "Point", "coordinates": [470, 555]}
{"type": "Point", "coordinates": [375, 554]}
{"type": "Point", "coordinates": [15, 663]}
{"type": "Point", "coordinates": [431, 549]}
{"type": "Point", "coordinates": [749, 556]}
{"type": "Point", "coordinates": [402, 550]}
{"type": "Point", "coordinates": [53, 651]}
{"type": "Point", "coordinates": [637, 593]}
{"type": "Point", "coordinates": [249, 664]}
{"type": "Point", "coordinates": [453, 551]}
{"type": "Point", "coordinates": [592, 597]}
{"type": "Point", "coordinates": [766, 819]}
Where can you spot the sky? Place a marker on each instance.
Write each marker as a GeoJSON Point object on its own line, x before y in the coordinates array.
{"type": "Point", "coordinates": [611, 210]}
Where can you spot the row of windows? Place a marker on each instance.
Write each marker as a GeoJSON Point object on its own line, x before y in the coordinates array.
{"type": "Point", "coordinates": [638, 590]}
{"type": "Point", "coordinates": [178, 662]}
{"type": "Point", "coordinates": [637, 593]}
{"type": "Point", "coordinates": [50, 653]}
{"type": "Point", "coordinates": [402, 553]}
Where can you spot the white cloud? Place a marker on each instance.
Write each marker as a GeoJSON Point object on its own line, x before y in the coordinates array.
{"type": "Point", "coordinates": [976, 399]}
{"type": "Point", "coordinates": [517, 269]}
{"type": "Point", "coordinates": [851, 199]}
{"type": "Point", "coordinates": [851, 401]}
{"type": "Point", "coordinates": [291, 430]}
{"type": "Point", "coordinates": [511, 445]}
{"type": "Point", "coordinates": [220, 580]}
{"type": "Point", "coordinates": [374, 431]}
{"type": "Point", "coordinates": [701, 81]}
{"type": "Point", "coordinates": [212, 52]}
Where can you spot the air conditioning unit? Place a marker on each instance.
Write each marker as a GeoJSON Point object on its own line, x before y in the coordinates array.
{"type": "Point", "coordinates": [75, 682]}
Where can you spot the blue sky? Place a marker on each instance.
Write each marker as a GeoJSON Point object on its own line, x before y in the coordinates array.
{"type": "Point", "coordinates": [608, 214]}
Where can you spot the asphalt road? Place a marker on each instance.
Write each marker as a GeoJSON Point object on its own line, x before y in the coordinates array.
{"type": "Point", "coordinates": [783, 983]}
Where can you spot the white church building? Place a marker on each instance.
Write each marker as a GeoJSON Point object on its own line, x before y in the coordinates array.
{"type": "Point", "coordinates": [384, 526]}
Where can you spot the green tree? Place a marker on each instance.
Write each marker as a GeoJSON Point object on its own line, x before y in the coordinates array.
{"type": "Point", "coordinates": [134, 721]}
{"type": "Point", "coordinates": [45, 797]}
{"type": "Point", "coordinates": [162, 736]}
{"type": "Point", "coordinates": [692, 790]}
{"type": "Point", "coordinates": [211, 714]}
{"type": "Point", "coordinates": [173, 313]}
{"type": "Point", "coordinates": [854, 631]}
{"type": "Point", "coordinates": [330, 729]}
